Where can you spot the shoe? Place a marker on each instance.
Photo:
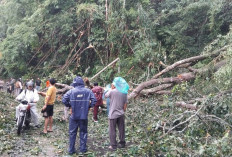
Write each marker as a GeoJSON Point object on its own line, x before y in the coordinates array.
{"type": "Point", "coordinates": [82, 153]}
{"type": "Point", "coordinates": [112, 149]}
{"type": "Point", "coordinates": [37, 126]}
{"type": "Point", "coordinates": [121, 146]}
{"type": "Point", "coordinates": [96, 121]}
{"type": "Point", "coordinates": [72, 153]}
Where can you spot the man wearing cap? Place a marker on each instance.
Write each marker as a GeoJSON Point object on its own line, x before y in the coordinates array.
{"type": "Point", "coordinates": [118, 104]}
{"type": "Point", "coordinates": [80, 99]}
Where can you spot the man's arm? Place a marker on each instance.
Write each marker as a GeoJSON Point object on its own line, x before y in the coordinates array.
{"type": "Point", "coordinates": [21, 96]}
{"type": "Point", "coordinates": [46, 103]}
{"type": "Point", "coordinates": [36, 96]}
{"type": "Point", "coordinates": [42, 93]}
{"type": "Point", "coordinates": [66, 99]}
{"type": "Point", "coordinates": [125, 106]}
{"type": "Point", "coordinates": [92, 99]}
{"type": "Point", "coordinates": [107, 94]}
{"type": "Point", "coordinates": [48, 97]}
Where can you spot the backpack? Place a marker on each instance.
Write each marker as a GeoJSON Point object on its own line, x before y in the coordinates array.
{"type": "Point", "coordinates": [97, 93]}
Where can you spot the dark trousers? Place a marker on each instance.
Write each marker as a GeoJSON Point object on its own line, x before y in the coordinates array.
{"type": "Point", "coordinates": [120, 123]}
{"type": "Point", "coordinates": [83, 133]}
{"type": "Point", "coordinates": [95, 111]}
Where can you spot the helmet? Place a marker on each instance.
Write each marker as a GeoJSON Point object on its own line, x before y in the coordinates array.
{"type": "Point", "coordinates": [30, 83]}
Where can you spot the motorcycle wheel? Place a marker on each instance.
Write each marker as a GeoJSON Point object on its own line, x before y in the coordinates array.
{"type": "Point", "coordinates": [20, 125]}
{"type": "Point", "coordinates": [27, 124]}
{"type": "Point", "coordinates": [28, 120]}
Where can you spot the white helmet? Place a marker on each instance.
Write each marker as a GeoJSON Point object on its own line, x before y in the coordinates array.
{"type": "Point", "coordinates": [30, 83]}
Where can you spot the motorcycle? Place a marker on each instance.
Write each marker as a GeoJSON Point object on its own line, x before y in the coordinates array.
{"type": "Point", "coordinates": [24, 117]}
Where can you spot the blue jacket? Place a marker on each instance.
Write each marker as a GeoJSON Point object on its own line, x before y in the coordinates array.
{"type": "Point", "coordinates": [80, 99]}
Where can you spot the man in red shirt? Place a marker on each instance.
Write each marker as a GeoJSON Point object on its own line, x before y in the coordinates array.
{"type": "Point", "coordinates": [98, 91]}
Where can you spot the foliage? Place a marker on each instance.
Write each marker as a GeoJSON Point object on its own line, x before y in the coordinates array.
{"type": "Point", "coordinates": [44, 33]}
{"type": "Point", "coordinates": [145, 127]}
{"type": "Point", "coordinates": [63, 39]}
{"type": "Point", "coordinates": [223, 76]}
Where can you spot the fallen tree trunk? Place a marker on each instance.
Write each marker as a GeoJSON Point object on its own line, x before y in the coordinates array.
{"type": "Point", "coordinates": [64, 88]}
{"type": "Point", "coordinates": [104, 69]}
{"type": "Point", "coordinates": [173, 80]}
{"type": "Point", "coordinates": [162, 84]}
{"type": "Point", "coordinates": [191, 59]}
{"type": "Point", "coordinates": [156, 89]}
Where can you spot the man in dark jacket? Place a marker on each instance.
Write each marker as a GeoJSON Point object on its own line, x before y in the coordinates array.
{"type": "Point", "coordinates": [80, 99]}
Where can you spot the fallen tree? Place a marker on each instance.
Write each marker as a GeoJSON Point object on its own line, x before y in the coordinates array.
{"type": "Point", "coordinates": [62, 88]}
{"type": "Point", "coordinates": [163, 84]}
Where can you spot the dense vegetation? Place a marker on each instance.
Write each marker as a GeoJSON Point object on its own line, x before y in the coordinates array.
{"type": "Point", "coordinates": [84, 36]}
{"type": "Point", "coordinates": [65, 38]}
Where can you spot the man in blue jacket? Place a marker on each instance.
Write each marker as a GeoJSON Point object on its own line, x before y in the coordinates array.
{"type": "Point", "coordinates": [80, 99]}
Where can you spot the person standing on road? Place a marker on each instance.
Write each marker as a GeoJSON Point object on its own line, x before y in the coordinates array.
{"type": "Point", "coordinates": [18, 87]}
{"type": "Point", "coordinates": [98, 92]}
{"type": "Point", "coordinates": [48, 83]}
{"type": "Point", "coordinates": [12, 81]}
{"type": "Point", "coordinates": [38, 84]}
{"type": "Point", "coordinates": [50, 98]}
{"type": "Point", "coordinates": [107, 100]}
{"type": "Point", "coordinates": [118, 105]}
{"type": "Point", "coordinates": [80, 99]}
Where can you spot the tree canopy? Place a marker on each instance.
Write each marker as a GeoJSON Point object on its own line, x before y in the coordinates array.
{"type": "Point", "coordinates": [44, 36]}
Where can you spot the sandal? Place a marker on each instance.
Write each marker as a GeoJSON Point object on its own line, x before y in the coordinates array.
{"type": "Point", "coordinates": [43, 133]}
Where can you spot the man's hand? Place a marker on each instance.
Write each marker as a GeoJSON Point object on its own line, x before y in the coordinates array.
{"type": "Point", "coordinates": [124, 107]}
{"type": "Point", "coordinates": [44, 107]}
{"type": "Point", "coordinates": [42, 93]}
